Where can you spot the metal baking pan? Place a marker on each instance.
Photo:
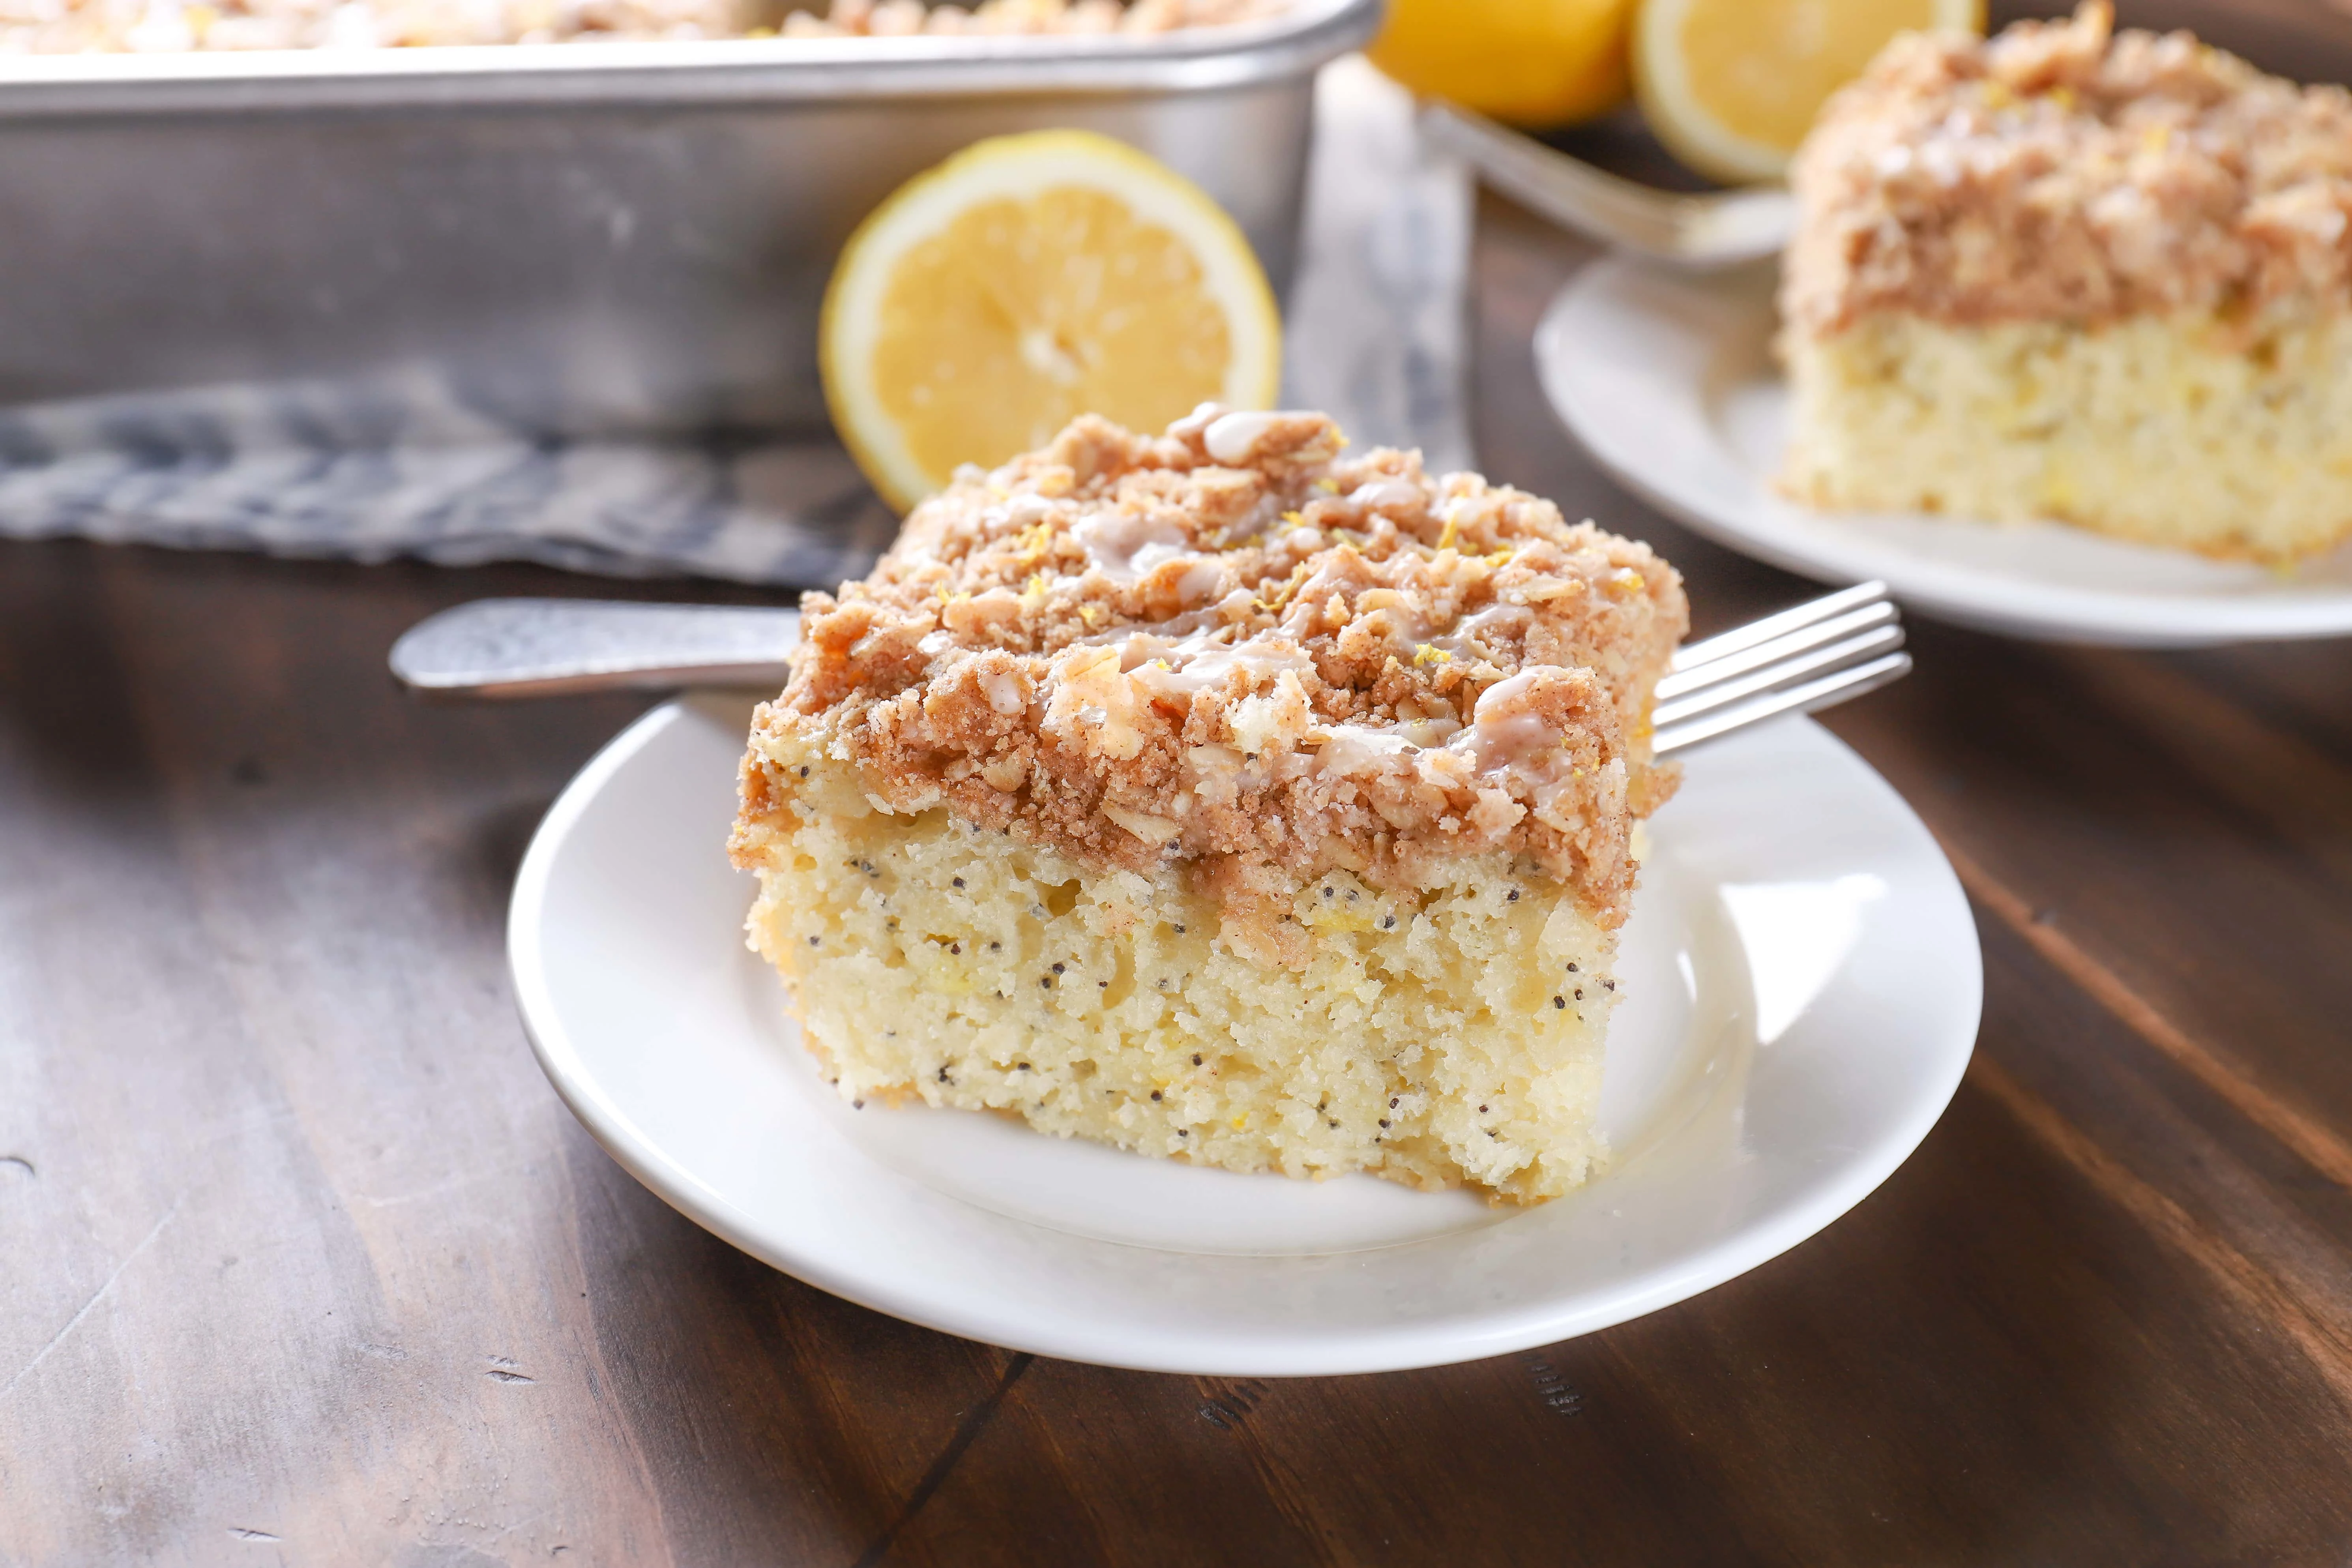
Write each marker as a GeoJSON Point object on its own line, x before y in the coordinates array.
{"type": "Point", "coordinates": [577, 240]}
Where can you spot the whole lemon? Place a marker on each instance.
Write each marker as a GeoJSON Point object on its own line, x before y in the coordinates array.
{"type": "Point", "coordinates": [1530, 62]}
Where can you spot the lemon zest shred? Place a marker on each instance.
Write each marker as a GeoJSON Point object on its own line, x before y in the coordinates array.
{"type": "Point", "coordinates": [1290, 586]}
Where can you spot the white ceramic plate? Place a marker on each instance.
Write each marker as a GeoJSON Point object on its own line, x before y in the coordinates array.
{"type": "Point", "coordinates": [1668, 379]}
{"type": "Point", "coordinates": [1801, 986]}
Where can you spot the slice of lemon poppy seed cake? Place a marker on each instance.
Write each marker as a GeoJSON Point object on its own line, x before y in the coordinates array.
{"type": "Point", "coordinates": [1218, 797]}
{"type": "Point", "coordinates": [2100, 276]}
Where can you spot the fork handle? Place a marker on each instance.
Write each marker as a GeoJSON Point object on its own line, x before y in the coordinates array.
{"type": "Point", "coordinates": [546, 647]}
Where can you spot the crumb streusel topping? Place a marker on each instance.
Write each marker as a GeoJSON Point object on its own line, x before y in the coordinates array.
{"type": "Point", "coordinates": [1231, 648]}
{"type": "Point", "coordinates": [2058, 173]}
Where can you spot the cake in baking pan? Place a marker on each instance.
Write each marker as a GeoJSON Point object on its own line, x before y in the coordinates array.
{"type": "Point", "coordinates": [170, 26]}
{"type": "Point", "coordinates": [1225, 799]}
{"type": "Point", "coordinates": [2077, 274]}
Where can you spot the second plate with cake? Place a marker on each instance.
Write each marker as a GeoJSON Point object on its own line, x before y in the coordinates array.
{"type": "Point", "coordinates": [2089, 287]}
{"type": "Point", "coordinates": [1669, 381]}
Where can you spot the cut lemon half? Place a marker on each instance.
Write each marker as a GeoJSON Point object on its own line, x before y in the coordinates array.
{"type": "Point", "coordinates": [1024, 281]}
{"type": "Point", "coordinates": [1732, 86]}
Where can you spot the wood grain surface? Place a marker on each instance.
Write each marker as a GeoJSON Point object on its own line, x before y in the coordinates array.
{"type": "Point", "coordinates": [301, 1261]}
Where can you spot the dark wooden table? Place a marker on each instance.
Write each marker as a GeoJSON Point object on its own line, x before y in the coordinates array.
{"type": "Point", "coordinates": [301, 1260]}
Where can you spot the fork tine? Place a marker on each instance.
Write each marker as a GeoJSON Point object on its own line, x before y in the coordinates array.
{"type": "Point", "coordinates": [1817, 633]}
{"type": "Point", "coordinates": [1743, 637]}
{"type": "Point", "coordinates": [1805, 658]}
{"type": "Point", "coordinates": [1821, 692]}
{"type": "Point", "coordinates": [1779, 673]}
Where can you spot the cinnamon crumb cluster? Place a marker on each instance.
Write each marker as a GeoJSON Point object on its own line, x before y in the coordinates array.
{"type": "Point", "coordinates": [1230, 648]}
{"type": "Point", "coordinates": [2063, 172]}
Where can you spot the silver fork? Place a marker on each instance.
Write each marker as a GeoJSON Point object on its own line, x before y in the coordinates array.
{"type": "Point", "coordinates": [1720, 229]}
{"type": "Point", "coordinates": [1822, 652]}
{"type": "Point", "coordinates": [1816, 654]}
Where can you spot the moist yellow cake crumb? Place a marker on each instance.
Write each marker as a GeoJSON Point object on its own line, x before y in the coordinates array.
{"type": "Point", "coordinates": [2070, 273]}
{"type": "Point", "coordinates": [1223, 798]}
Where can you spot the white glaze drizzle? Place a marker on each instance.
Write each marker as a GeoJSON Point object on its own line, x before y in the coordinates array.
{"type": "Point", "coordinates": [1231, 437]}
{"type": "Point", "coordinates": [1198, 662]}
{"type": "Point", "coordinates": [1124, 545]}
{"type": "Point", "coordinates": [1509, 741]}
{"type": "Point", "coordinates": [1004, 692]}
{"type": "Point", "coordinates": [1385, 495]}
{"type": "Point", "coordinates": [1495, 745]}
{"type": "Point", "coordinates": [1465, 640]}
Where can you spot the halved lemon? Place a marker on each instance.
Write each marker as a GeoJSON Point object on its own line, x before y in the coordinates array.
{"type": "Point", "coordinates": [1732, 86]}
{"type": "Point", "coordinates": [1028, 280]}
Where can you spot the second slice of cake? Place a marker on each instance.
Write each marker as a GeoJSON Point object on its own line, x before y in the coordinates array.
{"type": "Point", "coordinates": [2105, 279]}
{"type": "Point", "coordinates": [1220, 798]}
